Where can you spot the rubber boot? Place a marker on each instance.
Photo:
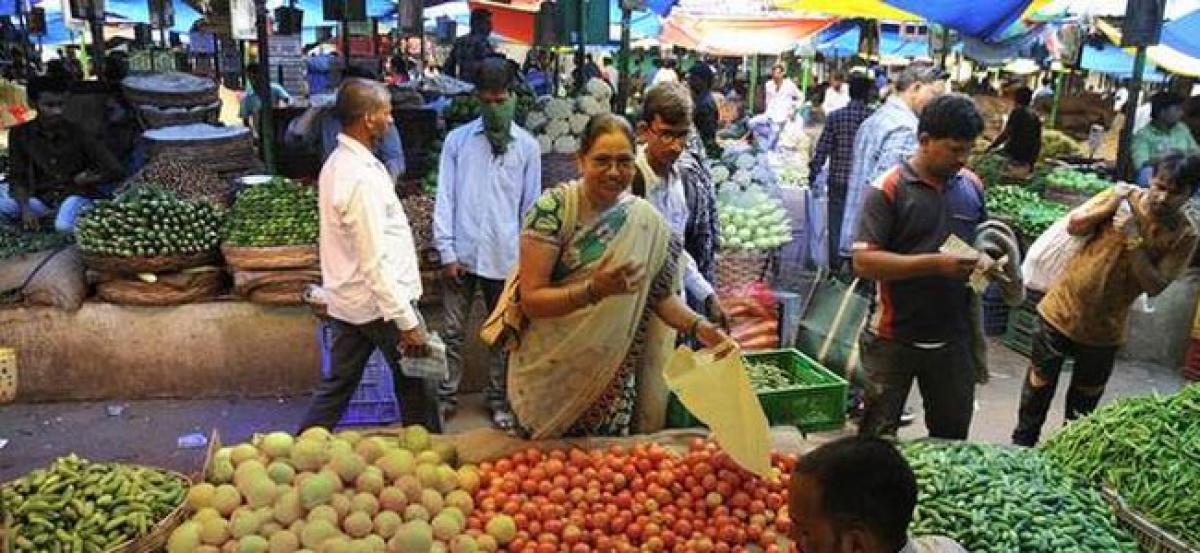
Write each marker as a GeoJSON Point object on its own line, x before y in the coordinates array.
{"type": "Point", "coordinates": [1035, 403]}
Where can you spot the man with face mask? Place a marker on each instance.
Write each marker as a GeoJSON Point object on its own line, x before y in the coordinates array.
{"type": "Point", "coordinates": [919, 327]}
{"type": "Point", "coordinates": [490, 173]}
{"type": "Point", "coordinates": [54, 165]}
{"type": "Point", "coordinates": [368, 266]}
{"type": "Point", "coordinates": [1165, 132]}
{"type": "Point", "coordinates": [1140, 241]}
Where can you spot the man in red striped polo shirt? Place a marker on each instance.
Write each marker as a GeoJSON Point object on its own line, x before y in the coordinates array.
{"type": "Point", "coordinates": [919, 327]}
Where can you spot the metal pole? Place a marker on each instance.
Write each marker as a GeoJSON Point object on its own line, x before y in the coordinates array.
{"type": "Point", "coordinates": [1059, 84]}
{"type": "Point", "coordinates": [266, 114]}
{"type": "Point", "coordinates": [1125, 166]}
{"type": "Point", "coordinates": [624, 61]}
{"type": "Point", "coordinates": [945, 47]}
{"type": "Point", "coordinates": [753, 93]}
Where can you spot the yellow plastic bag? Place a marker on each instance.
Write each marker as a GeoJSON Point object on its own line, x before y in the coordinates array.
{"type": "Point", "coordinates": [718, 393]}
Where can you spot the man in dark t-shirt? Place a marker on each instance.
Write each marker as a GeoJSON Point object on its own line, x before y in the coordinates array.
{"type": "Point", "coordinates": [1022, 134]}
{"type": "Point", "coordinates": [919, 326]}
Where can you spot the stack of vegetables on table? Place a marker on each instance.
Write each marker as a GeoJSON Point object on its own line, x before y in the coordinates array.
{"type": "Point", "coordinates": [639, 498]}
{"type": "Point", "coordinates": [991, 498]}
{"type": "Point", "coordinates": [149, 246]}
{"type": "Point", "coordinates": [271, 242]}
{"type": "Point", "coordinates": [1028, 213]}
{"type": "Point", "coordinates": [1146, 449]}
{"type": "Point", "coordinates": [77, 505]}
{"type": "Point", "coordinates": [557, 123]}
{"type": "Point", "coordinates": [401, 492]}
{"type": "Point", "coordinates": [1080, 182]}
{"type": "Point", "coordinates": [188, 180]}
{"type": "Point", "coordinates": [751, 220]}
{"type": "Point", "coordinates": [753, 314]}
{"type": "Point", "coordinates": [344, 492]}
{"type": "Point", "coordinates": [1056, 144]}
{"type": "Point", "coordinates": [743, 166]}
{"type": "Point", "coordinates": [149, 221]}
{"type": "Point", "coordinates": [765, 377]}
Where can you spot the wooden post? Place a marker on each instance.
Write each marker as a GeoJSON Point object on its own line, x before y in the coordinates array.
{"type": "Point", "coordinates": [1059, 84]}
{"type": "Point", "coordinates": [1125, 166]}
{"type": "Point", "coordinates": [266, 115]}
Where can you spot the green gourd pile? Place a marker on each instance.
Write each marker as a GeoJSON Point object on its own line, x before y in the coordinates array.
{"type": "Point", "coordinates": [1147, 449]}
{"type": "Point", "coordinates": [148, 221]}
{"type": "Point", "coordinates": [78, 505]}
{"type": "Point", "coordinates": [280, 212]}
{"type": "Point", "coordinates": [991, 498]}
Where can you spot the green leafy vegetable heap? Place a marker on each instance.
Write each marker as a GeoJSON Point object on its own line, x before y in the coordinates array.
{"type": "Point", "coordinates": [765, 377]}
{"type": "Point", "coordinates": [1028, 212]}
{"type": "Point", "coordinates": [14, 241]}
{"type": "Point", "coordinates": [1078, 181]}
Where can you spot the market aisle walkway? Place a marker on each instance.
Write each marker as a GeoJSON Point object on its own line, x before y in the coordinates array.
{"type": "Point", "coordinates": [147, 431]}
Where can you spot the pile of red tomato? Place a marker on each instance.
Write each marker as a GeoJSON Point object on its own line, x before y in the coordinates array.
{"type": "Point", "coordinates": [642, 498]}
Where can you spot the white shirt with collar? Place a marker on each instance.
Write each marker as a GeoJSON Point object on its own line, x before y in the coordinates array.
{"type": "Point", "coordinates": [667, 196]}
{"type": "Point", "coordinates": [368, 261]}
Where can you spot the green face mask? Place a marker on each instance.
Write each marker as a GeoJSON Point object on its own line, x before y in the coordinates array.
{"type": "Point", "coordinates": [497, 119]}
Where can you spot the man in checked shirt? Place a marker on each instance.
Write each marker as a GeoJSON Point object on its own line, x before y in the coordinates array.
{"type": "Point", "coordinates": [836, 146]}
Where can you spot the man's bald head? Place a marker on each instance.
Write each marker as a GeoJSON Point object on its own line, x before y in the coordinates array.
{"type": "Point", "coordinates": [358, 98]}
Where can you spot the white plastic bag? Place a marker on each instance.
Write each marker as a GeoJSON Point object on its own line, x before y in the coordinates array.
{"type": "Point", "coordinates": [1049, 255]}
{"type": "Point", "coordinates": [432, 366]}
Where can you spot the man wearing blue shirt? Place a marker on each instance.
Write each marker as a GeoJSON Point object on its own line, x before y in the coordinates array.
{"type": "Point", "coordinates": [490, 174]}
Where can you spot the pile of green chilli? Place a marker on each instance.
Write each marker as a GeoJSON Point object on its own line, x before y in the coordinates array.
{"type": "Point", "coordinates": [1147, 449]}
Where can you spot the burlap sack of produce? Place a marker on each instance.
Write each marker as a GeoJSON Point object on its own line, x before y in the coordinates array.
{"type": "Point", "coordinates": [246, 282]}
{"type": "Point", "coordinates": [53, 278]}
{"type": "Point", "coordinates": [717, 391]}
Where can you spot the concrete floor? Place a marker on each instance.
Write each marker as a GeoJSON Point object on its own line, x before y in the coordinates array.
{"type": "Point", "coordinates": [147, 431]}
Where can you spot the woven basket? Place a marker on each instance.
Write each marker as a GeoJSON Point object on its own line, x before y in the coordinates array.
{"type": "Point", "coordinates": [135, 292]}
{"type": "Point", "coordinates": [247, 258]}
{"type": "Point", "coordinates": [170, 90]}
{"type": "Point", "coordinates": [737, 269]}
{"type": "Point", "coordinates": [138, 265]}
{"type": "Point", "coordinates": [155, 539]}
{"type": "Point", "coordinates": [558, 168]}
{"type": "Point", "coordinates": [155, 118]}
{"type": "Point", "coordinates": [288, 293]}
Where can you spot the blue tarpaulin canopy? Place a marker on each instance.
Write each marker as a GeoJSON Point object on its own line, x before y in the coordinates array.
{"type": "Point", "coordinates": [842, 40]}
{"type": "Point", "coordinates": [1116, 62]}
{"type": "Point", "coordinates": [974, 19]}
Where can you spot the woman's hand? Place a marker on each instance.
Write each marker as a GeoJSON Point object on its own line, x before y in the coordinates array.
{"type": "Point", "coordinates": [612, 280]}
{"type": "Point", "coordinates": [712, 338]}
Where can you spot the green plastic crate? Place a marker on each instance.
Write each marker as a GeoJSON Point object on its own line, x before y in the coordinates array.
{"type": "Point", "coordinates": [817, 403]}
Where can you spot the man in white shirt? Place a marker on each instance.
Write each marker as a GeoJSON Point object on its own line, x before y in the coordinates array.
{"type": "Point", "coordinates": [782, 98]}
{"type": "Point", "coordinates": [666, 74]}
{"type": "Point", "coordinates": [837, 95]}
{"type": "Point", "coordinates": [490, 173]}
{"type": "Point", "coordinates": [368, 265]}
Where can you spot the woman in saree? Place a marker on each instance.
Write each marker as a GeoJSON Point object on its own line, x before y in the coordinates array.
{"type": "Point", "coordinates": [599, 275]}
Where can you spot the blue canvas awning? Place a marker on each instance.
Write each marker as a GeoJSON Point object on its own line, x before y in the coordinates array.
{"type": "Point", "coordinates": [843, 41]}
{"type": "Point", "coordinates": [1116, 62]}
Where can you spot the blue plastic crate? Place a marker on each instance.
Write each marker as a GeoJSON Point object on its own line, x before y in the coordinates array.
{"type": "Point", "coordinates": [374, 402]}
